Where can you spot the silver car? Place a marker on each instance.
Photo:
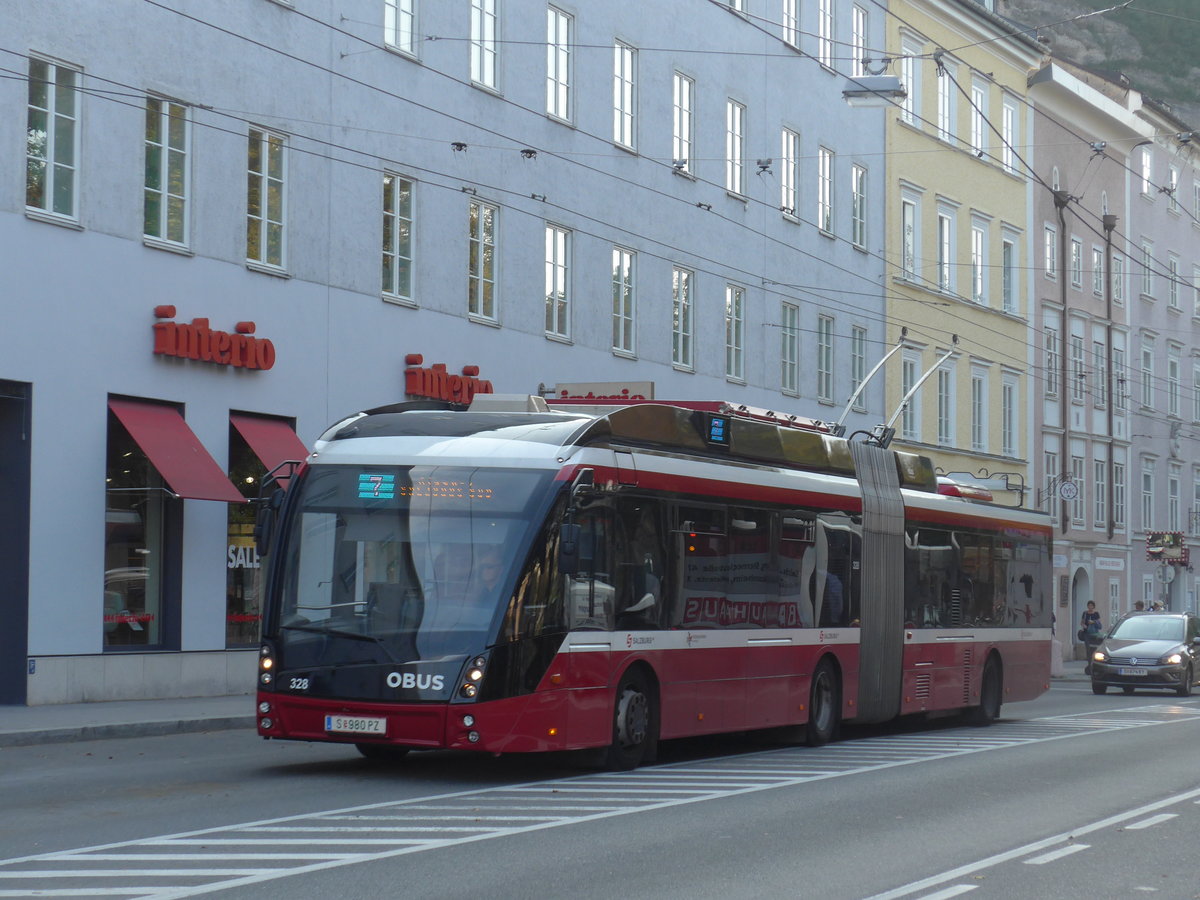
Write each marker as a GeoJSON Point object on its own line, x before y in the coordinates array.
{"type": "Point", "coordinates": [1155, 650]}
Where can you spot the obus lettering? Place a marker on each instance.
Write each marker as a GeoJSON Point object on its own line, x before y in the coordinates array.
{"type": "Point", "coordinates": [415, 680]}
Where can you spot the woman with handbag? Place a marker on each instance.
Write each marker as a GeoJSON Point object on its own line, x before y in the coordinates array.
{"type": "Point", "coordinates": [1090, 628]}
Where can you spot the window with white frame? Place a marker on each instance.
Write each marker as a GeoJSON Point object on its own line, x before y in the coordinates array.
{"type": "Point", "coordinates": [1173, 281]}
{"type": "Point", "coordinates": [1173, 189]}
{"type": "Point", "coordinates": [1194, 518]}
{"type": "Point", "coordinates": [623, 308]}
{"type": "Point", "coordinates": [52, 139]}
{"type": "Point", "coordinates": [1100, 489]}
{"type": "Point", "coordinates": [1078, 369]}
{"type": "Point", "coordinates": [910, 106]}
{"type": "Point", "coordinates": [946, 92]}
{"type": "Point", "coordinates": [1147, 372]}
{"type": "Point", "coordinates": [979, 393]}
{"type": "Point", "coordinates": [1076, 263]}
{"type": "Point", "coordinates": [1147, 172]}
{"type": "Point", "coordinates": [167, 172]}
{"type": "Point", "coordinates": [266, 180]}
{"type": "Point", "coordinates": [1147, 269]}
{"type": "Point", "coordinates": [1100, 367]}
{"type": "Point", "coordinates": [558, 281]}
{"type": "Point", "coordinates": [1118, 279]}
{"type": "Point", "coordinates": [945, 402]}
{"type": "Point", "coordinates": [858, 206]}
{"type": "Point", "coordinates": [624, 96]}
{"type": "Point", "coordinates": [825, 358]}
{"type": "Point", "coordinates": [1009, 412]}
{"type": "Point", "coordinates": [559, 27]}
{"type": "Point", "coordinates": [1079, 504]}
{"type": "Point", "coordinates": [979, 98]}
{"type": "Point", "coordinates": [858, 41]}
{"type": "Point", "coordinates": [1119, 386]}
{"type": "Point", "coordinates": [681, 317]}
{"type": "Point", "coordinates": [735, 323]}
{"type": "Point", "coordinates": [908, 238]}
{"type": "Point", "coordinates": [1008, 131]}
{"type": "Point", "coordinates": [1147, 494]}
{"type": "Point", "coordinates": [397, 237]}
{"type": "Point", "coordinates": [945, 250]}
{"type": "Point", "coordinates": [481, 261]}
{"type": "Point", "coordinates": [1195, 291]}
{"type": "Point", "coordinates": [979, 265]}
{"type": "Point", "coordinates": [789, 172]}
{"type": "Point", "coordinates": [789, 351]}
{"type": "Point", "coordinates": [683, 125]}
{"type": "Point", "coordinates": [1173, 381]}
{"type": "Point", "coordinates": [1050, 341]}
{"type": "Point", "coordinates": [790, 21]}
{"type": "Point", "coordinates": [1196, 393]}
{"type": "Point", "coordinates": [910, 418]}
{"type": "Point", "coordinates": [399, 25]}
{"type": "Point", "coordinates": [1118, 493]}
{"type": "Point", "coordinates": [1009, 273]}
{"type": "Point", "coordinates": [1097, 271]}
{"type": "Point", "coordinates": [825, 34]}
{"type": "Point", "coordinates": [858, 362]}
{"type": "Point", "coordinates": [825, 189]}
{"type": "Point", "coordinates": [1174, 513]}
{"type": "Point", "coordinates": [1050, 464]}
{"type": "Point", "coordinates": [735, 147]}
{"type": "Point", "coordinates": [483, 42]}
{"type": "Point", "coordinates": [1050, 251]}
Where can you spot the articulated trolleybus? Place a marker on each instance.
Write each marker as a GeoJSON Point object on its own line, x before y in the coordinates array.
{"type": "Point", "coordinates": [518, 576]}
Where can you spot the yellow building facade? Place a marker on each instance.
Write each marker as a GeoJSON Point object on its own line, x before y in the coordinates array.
{"type": "Point", "coordinates": [958, 240]}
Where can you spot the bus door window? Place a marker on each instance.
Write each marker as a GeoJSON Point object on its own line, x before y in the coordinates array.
{"type": "Point", "coordinates": [590, 590]}
{"type": "Point", "coordinates": [796, 560]}
{"type": "Point", "coordinates": [641, 564]}
{"type": "Point", "coordinates": [752, 584]}
{"type": "Point", "coordinates": [935, 554]}
{"type": "Point", "coordinates": [702, 568]}
{"type": "Point", "coordinates": [835, 578]}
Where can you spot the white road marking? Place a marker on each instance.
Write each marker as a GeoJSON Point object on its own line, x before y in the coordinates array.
{"type": "Point", "coordinates": [949, 892]}
{"type": "Point", "coordinates": [1056, 854]}
{"type": "Point", "coordinates": [1152, 821]}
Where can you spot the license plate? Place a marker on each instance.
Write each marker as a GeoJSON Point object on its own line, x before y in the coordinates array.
{"type": "Point", "coordinates": [1128, 671]}
{"type": "Point", "coordinates": [356, 725]}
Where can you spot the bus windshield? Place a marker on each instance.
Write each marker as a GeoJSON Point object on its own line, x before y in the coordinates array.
{"type": "Point", "coordinates": [404, 563]}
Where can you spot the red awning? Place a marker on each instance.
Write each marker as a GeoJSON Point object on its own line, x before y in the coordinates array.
{"type": "Point", "coordinates": [272, 440]}
{"type": "Point", "coordinates": [175, 451]}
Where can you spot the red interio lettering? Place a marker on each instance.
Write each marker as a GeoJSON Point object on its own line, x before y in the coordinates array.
{"type": "Point", "coordinates": [435, 382]}
{"type": "Point", "coordinates": [199, 342]}
{"type": "Point", "coordinates": [624, 395]}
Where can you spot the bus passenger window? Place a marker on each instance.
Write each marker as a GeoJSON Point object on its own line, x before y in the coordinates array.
{"type": "Point", "coordinates": [640, 572]}
{"type": "Point", "coordinates": [590, 591]}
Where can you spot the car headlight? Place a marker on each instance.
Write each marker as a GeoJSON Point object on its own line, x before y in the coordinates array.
{"type": "Point", "coordinates": [1173, 659]}
{"type": "Point", "coordinates": [1099, 656]}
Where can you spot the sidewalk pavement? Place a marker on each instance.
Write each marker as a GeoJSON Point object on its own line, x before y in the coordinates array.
{"type": "Point", "coordinates": [57, 723]}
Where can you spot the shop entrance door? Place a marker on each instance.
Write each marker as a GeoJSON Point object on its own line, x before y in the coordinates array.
{"type": "Point", "coordinates": [14, 540]}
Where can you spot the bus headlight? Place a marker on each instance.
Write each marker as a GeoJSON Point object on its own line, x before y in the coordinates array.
{"type": "Point", "coordinates": [265, 678]}
{"type": "Point", "coordinates": [468, 690]}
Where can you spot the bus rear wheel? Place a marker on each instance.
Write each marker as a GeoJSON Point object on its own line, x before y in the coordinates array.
{"type": "Point", "coordinates": [381, 752]}
{"type": "Point", "coordinates": [991, 696]}
{"type": "Point", "coordinates": [635, 723]}
{"type": "Point", "coordinates": [824, 706]}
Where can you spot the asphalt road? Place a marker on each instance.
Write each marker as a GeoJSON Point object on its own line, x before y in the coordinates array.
{"type": "Point", "coordinates": [1069, 796]}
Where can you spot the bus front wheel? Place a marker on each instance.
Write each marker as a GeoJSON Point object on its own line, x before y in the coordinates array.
{"type": "Point", "coordinates": [991, 696]}
{"type": "Point", "coordinates": [634, 723]}
{"type": "Point", "coordinates": [824, 705]}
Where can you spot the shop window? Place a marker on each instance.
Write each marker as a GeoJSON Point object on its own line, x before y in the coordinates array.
{"type": "Point", "coordinates": [243, 572]}
{"type": "Point", "coordinates": [142, 527]}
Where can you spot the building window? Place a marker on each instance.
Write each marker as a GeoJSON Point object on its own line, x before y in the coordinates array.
{"type": "Point", "coordinates": [946, 92]}
{"type": "Point", "coordinates": [1147, 495]}
{"type": "Point", "coordinates": [1196, 394]}
{"type": "Point", "coordinates": [397, 237]}
{"type": "Point", "coordinates": [910, 419]}
{"type": "Point", "coordinates": [858, 363]}
{"type": "Point", "coordinates": [483, 42]}
{"type": "Point", "coordinates": [481, 261]}
{"type": "Point", "coordinates": [1100, 367]}
{"type": "Point", "coordinates": [1097, 271]}
{"type": "Point", "coordinates": [165, 197]}
{"type": "Point", "coordinates": [945, 252]}
{"type": "Point", "coordinates": [1174, 519]}
{"type": "Point", "coordinates": [1078, 369]}
{"type": "Point", "coordinates": [265, 206]}
{"type": "Point", "coordinates": [558, 281]}
{"type": "Point", "coordinates": [1050, 463]}
{"type": "Point", "coordinates": [681, 317]}
{"type": "Point", "coordinates": [1008, 131]}
{"type": "Point", "coordinates": [825, 358]}
{"type": "Point", "coordinates": [1147, 269]}
{"type": "Point", "coordinates": [1173, 385]}
{"type": "Point", "coordinates": [1173, 282]}
{"type": "Point", "coordinates": [945, 401]}
{"type": "Point", "coordinates": [1050, 251]}
{"type": "Point", "coordinates": [789, 329]}
{"type": "Point", "coordinates": [908, 238]}
{"type": "Point", "coordinates": [1008, 265]}
{"type": "Point", "coordinates": [979, 410]}
{"type": "Point", "coordinates": [978, 117]}
{"type": "Point", "coordinates": [1079, 504]}
{"type": "Point", "coordinates": [858, 41]}
{"type": "Point", "coordinates": [558, 63]}
{"type": "Point", "coordinates": [682, 131]}
{"type": "Point", "coordinates": [791, 22]}
{"type": "Point", "coordinates": [52, 138]}
{"type": "Point", "coordinates": [825, 32]}
{"type": "Point", "coordinates": [1008, 416]}
{"type": "Point", "coordinates": [1076, 263]}
{"type": "Point", "coordinates": [825, 189]}
{"type": "Point", "coordinates": [735, 150]}
{"type": "Point", "coordinates": [789, 174]}
{"type": "Point", "coordinates": [735, 321]}
{"type": "Point", "coordinates": [1119, 393]}
{"type": "Point", "coordinates": [979, 264]}
{"type": "Point", "coordinates": [1100, 488]}
{"type": "Point", "coordinates": [399, 25]}
{"type": "Point", "coordinates": [1147, 172]}
{"type": "Point", "coordinates": [624, 85]}
{"type": "Point", "coordinates": [910, 106]}
{"type": "Point", "coordinates": [858, 206]}
{"type": "Point", "coordinates": [1053, 360]}
{"type": "Point", "coordinates": [622, 301]}
{"type": "Point", "coordinates": [1147, 373]}
{"type": "Point", "coordinates": [1118, 279]}
{"type": "Point", "coordinates": [1119, 494]}
{"type": "Point", "coordinates": [1172, 189]}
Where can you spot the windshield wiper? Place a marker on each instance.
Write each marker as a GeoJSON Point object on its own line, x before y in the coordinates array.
{"type": "Point", "coordinates": [337, 632]}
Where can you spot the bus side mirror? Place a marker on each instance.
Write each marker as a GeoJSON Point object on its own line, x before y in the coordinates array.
{"type": "Point", "coordinates": [264, 520]}
{"type": "Point", "coordinates": [568, 548]}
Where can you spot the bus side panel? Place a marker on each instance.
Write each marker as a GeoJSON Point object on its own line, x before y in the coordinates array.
{"type": "Point", "coordinates": [776, 677]}
{"type": "Point", "coordinates": [1026, 668]}
{"type": "Point", "coordinates": [587, 675]}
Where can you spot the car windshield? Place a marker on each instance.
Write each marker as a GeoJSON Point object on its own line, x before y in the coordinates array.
{"type": "Point", "coordinates": [1149, 628]}
{"type": "Point", "coordinates": [403, 563]}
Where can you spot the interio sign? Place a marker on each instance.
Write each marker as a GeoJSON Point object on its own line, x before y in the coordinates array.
{"type": "Point", "coordinates": [436, 383]}
{"type": "Point", "coordinates": [197, 341]}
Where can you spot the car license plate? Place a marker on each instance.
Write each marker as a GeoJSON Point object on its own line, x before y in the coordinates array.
{"type": "Point", "coordinates": [1129, 671]}
{"type": "Point", "coordinates": [356, 725]}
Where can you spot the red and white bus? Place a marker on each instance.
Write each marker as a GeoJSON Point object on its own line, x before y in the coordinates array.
{"type": "Point", "coordinates": [514, 577]}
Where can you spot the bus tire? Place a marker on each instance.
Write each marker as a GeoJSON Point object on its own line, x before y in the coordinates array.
{"type": "Point", "coordinates": [824, 706]}
{"type": "Point", "coordinates": [991, 695]}
{"type": "Point", "coordinates": [635, 723]}
{"type": "Point", "coordinates": [381, 752]}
